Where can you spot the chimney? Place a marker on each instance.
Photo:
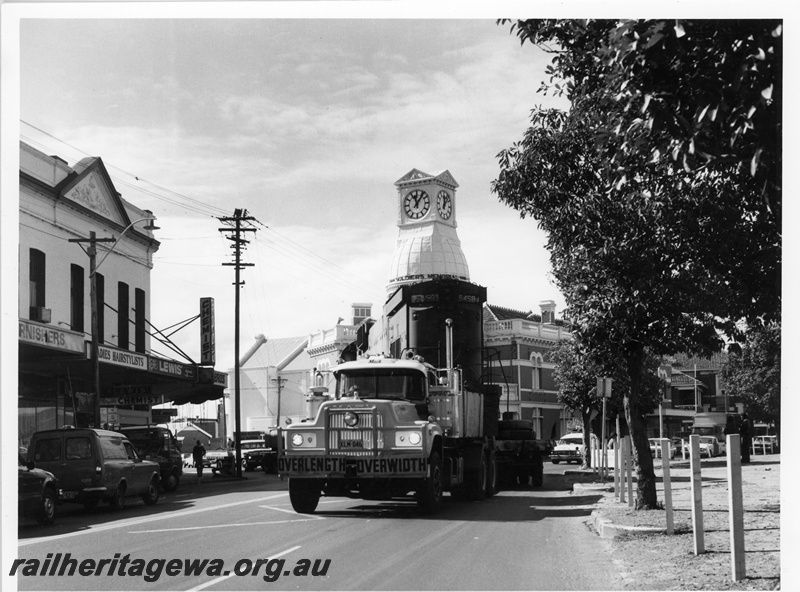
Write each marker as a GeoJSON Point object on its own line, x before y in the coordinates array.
{"type": "Point", "coordinates": [361, 312]}
{"type": "Point", "coordinates": [548, 308]}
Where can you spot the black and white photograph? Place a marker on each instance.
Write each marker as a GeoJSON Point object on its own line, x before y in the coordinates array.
{"type": "Point", "coordinates": [320, 295]}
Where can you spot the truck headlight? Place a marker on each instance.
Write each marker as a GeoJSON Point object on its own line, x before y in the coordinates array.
{"type": "Point", "coordinates": [304, 440]}
{"type": "Point", "coordinates": [408, 438]}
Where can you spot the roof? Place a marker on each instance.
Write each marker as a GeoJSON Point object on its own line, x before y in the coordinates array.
{"type": "Point", "coordinates": [492, 312]}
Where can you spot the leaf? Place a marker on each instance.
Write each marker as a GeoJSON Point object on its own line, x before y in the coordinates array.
{"type": "Point", "coordinates": [767, 92]}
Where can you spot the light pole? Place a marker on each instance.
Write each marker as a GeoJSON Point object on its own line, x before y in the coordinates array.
{"type": "Point", "coordinates": [91, 251]}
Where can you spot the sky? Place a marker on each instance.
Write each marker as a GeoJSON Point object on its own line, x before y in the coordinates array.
{"type": "Point", "coordinates": [304, 122]}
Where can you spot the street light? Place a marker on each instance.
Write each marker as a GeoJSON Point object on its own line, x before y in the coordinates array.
{"type": "Point", "coordinates": [91, 251]}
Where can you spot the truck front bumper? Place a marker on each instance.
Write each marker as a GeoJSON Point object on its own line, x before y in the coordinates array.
{"type": "Point", "coordinates": [352, 467]}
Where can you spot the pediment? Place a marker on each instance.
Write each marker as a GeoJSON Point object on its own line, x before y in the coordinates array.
{"type": "Point", "coordinates": [91, 188]}
{"type": "Point", "coordinates": [416, 175]}
{"type": "Point", "coordinates": [446, 178]}
{"type": "Point", "coordinates": [413, 175]}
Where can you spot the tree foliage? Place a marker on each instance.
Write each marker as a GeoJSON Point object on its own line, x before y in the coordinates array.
{"type": "Point", "coordinates": [659, 189]}
{"type": "Point", "coordinates": [754, 374]}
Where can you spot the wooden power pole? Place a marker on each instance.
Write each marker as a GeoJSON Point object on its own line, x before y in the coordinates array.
{"type": "Point", "coordinates": [234, 232]}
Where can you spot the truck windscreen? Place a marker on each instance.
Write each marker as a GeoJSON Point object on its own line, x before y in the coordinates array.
{"type": "Point", "coordinates": [374, 384]}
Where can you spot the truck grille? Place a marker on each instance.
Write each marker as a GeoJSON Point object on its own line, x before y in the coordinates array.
{"type": "Point", "coordinates": [365, 439]}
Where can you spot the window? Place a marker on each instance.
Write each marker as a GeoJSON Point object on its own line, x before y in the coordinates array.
{"type": "Point", "coordinates": [536, 359]}
{"type": "Point", "coordinates": [113, 448]}
{"type": "Point", "coordinates": [138, 320]}
{"type": "Point", "coordinates": [76, 293]}
{"type": "Point", "coordinates": [130, 452]}
{"type": "Point", "coordinates": [78, 448]}
{"type": "Point", "coordinates": [36, 278]}
{"type": "Point", "coordinates": [123, 315]}
{"type": "Point", "coordinates": [100, 286]}
{"type": "Point", "coordinates": [47, 449]}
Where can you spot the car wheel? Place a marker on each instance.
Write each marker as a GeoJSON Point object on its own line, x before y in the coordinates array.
{"type": "Point", "coordinates": [117, 501]}
{"type": "Point", "coordinates": [172, 481]}
{"type": "Point", "coordinates": [150, 496]}
{"type": "Point", "coordinates": [555, 461]}
{"type": "Point", "coordinates": [46, 513]}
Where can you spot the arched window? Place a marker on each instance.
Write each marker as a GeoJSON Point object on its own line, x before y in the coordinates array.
{"type": "Point", "coordinates": [536, 361]}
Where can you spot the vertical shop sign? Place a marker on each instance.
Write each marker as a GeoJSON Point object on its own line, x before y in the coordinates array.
{"type": "Point", "coordinates": [207, 348]}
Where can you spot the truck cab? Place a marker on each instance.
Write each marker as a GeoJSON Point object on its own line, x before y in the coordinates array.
{"type": "Point", "coordinates": [372, 440]}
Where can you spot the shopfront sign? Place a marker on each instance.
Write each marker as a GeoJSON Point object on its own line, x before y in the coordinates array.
{"type": "Point", "coordinates": [119, 357]}
{"type": "Point", "coordinates": [122, 400]}
{"type": "Point", "coordinates": [45, 336]}
{"type": "Point", "coordinates": [170, 368]}
{"type": "Point", "coordinates": [207, 346]}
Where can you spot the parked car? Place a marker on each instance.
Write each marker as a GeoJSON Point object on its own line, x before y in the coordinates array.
{"type": "Point", "coordinates": [709, 446]}
{"type": "Point", "coordinates": [655, 448]}
{"type": "Point", "coordinates": [256, 453]}
{"type": "Point", "coordinates": [94, 465]}
{"type": "Point", "coordinates": [156, 443]}
{"type": "Point", "coordinates": [569, 448]}
{"type": "Point", "coordinates": [37, 491]}
{"type": "Point", "coordinates": [765, 444]}
{"type": "Point", "coordinates": [212, 457]}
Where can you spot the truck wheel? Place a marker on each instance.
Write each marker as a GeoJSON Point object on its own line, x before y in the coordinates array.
{"type": "Point", "coordinates": [476, 480]}
{"type": "Point", "coordinates": [150, 496]}
{"type": "Point", "coordinates": [429, 496]}
{"type": "Point", "coordinates": [492, 477]}
{"type": "Point", "coordinates": [304, 495]}
{"type": "Point", "coordinates": [537, 471]}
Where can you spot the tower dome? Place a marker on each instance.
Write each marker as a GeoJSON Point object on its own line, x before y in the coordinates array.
{"type": "Point", "coordinates": [427, 245]}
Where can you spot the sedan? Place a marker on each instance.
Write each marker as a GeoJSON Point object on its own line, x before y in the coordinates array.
{"type": "Point", "coordinates": [38, 492]}
{"type": "Point", "coordinates": [655, 448]}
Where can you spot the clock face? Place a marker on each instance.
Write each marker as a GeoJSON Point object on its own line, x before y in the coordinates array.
{"type": "Point", "coordinates": [445, 205]}
{"type": "Point", "coordinates": [416, 204]}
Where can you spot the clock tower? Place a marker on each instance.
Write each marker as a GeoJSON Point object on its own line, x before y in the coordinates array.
{"type": "Point", "coordinates": [427, 247]}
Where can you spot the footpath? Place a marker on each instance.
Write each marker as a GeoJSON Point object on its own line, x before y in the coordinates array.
{"type": "Point", "coordinates": [652, 560]}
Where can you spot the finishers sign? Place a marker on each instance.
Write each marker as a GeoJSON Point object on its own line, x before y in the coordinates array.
{"type": "Point", "coordinates": [364, 466]}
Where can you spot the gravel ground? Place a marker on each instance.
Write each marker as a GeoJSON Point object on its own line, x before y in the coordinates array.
{"type": "Point", "coordinates": [667, 562]}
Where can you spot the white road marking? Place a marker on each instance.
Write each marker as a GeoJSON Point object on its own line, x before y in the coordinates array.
{"type": "Point", "coordinates": [145, 519]}
{"type": "Point", "coordinates": [227, 525]}
{"type": "Point", "coordinates": [223, 578]}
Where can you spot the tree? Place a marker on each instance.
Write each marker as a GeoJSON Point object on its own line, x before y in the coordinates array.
{"type": "Point", "coordinates": [753, 373]}
{"type": "Point", "coordinates": [655, 250]}
{"type": "Point", "coordinates": [576, 376]}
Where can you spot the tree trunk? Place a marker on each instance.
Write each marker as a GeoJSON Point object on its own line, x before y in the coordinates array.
{"type": "Point", "coordinates": [586, 463]}
{"type": "Point", "coordinates": [646, 498]}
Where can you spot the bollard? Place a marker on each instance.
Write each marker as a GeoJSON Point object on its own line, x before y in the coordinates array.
{"type": "Point", "coordinates": [697, 495]}
{"type": "Point", "coordinates": [665, 457]}
{"type": "Point", "coordinates": [736, 507]}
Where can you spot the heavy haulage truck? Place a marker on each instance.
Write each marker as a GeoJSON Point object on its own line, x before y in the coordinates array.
{"type": "Point", "coordinates": [397, 426]}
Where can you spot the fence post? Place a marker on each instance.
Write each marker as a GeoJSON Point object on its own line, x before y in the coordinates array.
{"type": "Point", "coordinates": [619, 475]}
{"type": "Point", "coordinates": [697, 495]}
{"type": "Point", "coordinates": [629, 468]}
{"type": "Point", "coordinates": [736, 507]}
{"type": "Point", "coordinates": [665, 458]}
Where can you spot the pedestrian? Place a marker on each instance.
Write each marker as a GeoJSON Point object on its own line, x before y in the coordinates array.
{"type": "Point", "coordinates": [198, 452]}
{"type": "Point", "coordinates": [746, 437]}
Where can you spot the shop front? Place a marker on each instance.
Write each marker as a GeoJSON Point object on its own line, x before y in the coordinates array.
{"type": "Point", "coordinates": [56, 386]}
